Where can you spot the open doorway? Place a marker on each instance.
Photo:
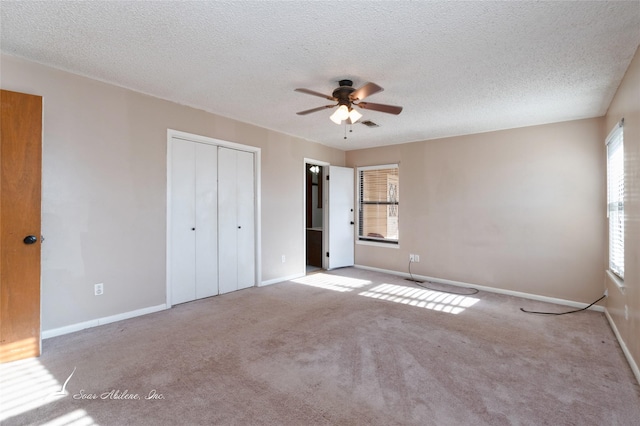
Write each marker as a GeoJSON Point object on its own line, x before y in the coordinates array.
{"type": "Point", "coordinates": [328, 216]}
{"type": "Point", "coordinates": [315, 194]}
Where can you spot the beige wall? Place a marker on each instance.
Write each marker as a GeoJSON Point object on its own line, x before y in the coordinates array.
{"type": "Point", "coordinates": [626, 104]}
{"type": "Point", "coordinates": [519, 210]}
{"type": "Point", "coordinates": [104, 191]}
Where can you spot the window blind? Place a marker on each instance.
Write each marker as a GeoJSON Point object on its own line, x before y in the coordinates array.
{"type": "Point", "coordinates": [379, 201]}
{"type": "Point", "coordinates": [615, 199]}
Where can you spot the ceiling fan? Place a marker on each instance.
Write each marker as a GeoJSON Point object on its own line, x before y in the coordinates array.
{"type": "Point", "coordinates": [347, 97]}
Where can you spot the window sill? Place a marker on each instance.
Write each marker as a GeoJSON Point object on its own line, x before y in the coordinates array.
{"type": "Point", "coordinates": [619, 282]}
{"type": "Point", "coordinates": [378, 244]}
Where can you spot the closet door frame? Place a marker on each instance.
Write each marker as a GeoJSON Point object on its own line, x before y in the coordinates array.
{"type": "Point", "coordinates": [171, 134]}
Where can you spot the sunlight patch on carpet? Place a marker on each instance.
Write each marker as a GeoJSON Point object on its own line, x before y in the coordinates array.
{"type": "Point", "coordinates": [27, 385]}
{"type": "Point", "coordinates": [421, 298]}
{"type": "Point", "coordinates": [332, 282]}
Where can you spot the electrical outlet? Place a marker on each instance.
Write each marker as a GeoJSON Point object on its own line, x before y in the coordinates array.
{"type": "Point", "coordinates": [98, 289]}
{"type": "Point", "coordinates": [414, 258]}
{"type": "Point", "coordinates": [626, 313]}
{"type": "Point", "coordinates": [606, 292]}
{"type": "Point", "coordinates": [283, 258]}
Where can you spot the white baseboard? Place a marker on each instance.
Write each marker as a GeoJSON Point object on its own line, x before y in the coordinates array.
{"type": "Point", "coordinates": [625, 350]}
{"type": "Point", "coordinates": [281, 279]}
{"type": "Point", "coordinates": [46, 334]}
{"type": "Point", "coordinates": [530, 296]}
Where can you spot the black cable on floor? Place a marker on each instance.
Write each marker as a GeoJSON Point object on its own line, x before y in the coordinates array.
{"type": "Point", "coordinates": [563, 313]}
{"type": "Point", "coordinates": [418, 283]}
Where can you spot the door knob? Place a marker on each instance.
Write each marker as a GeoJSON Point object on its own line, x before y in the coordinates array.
{"type": "Point", "coordinates": [30, 239]}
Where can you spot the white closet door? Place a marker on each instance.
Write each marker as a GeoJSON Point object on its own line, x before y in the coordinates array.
{"type": "Point", "coordinates": [206, 223]}
{"type": "Point", "coordinates": [246, 219]}
{"type": "Point", "coordinates": [227, 221]}
{"type": "Point", "coordinates": [236, 227]}
{"type": "Point", "coordinates": [183, 248]}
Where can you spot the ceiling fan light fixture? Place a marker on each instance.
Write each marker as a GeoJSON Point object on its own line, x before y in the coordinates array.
{"type": "Point", "coordinates": [342, 113]}
{"type": "Point", "coordinates": [354, 115]}
{"type": "Point", "coordinates": [335, 119]}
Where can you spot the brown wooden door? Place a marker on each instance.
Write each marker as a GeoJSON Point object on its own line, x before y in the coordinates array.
{"type": "Point", "coordinates": [20, 186]}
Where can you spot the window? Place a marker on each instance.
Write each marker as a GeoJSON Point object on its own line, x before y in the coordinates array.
{"type": "Point", "coordinates": [378, 203]}
{"type": "Point", "coordinates": [615, 199]}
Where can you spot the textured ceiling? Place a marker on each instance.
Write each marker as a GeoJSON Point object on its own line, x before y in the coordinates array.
{"type": "Point", "coordinates": [456, 67]}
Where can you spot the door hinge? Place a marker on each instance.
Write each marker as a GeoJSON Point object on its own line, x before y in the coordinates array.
{"type": "Point", "coordinates": [327, 254]}
{"type": "Point", "coordinates": [327, 177]}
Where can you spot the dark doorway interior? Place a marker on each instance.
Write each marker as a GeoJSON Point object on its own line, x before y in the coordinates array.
{"type": "Point", "coordinates": [314, 215]}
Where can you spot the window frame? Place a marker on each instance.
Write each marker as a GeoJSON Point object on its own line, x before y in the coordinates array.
{"type": "Point", "coordinates": [615, 195]}
{"type": "Point", "coordinates": [366, 240]}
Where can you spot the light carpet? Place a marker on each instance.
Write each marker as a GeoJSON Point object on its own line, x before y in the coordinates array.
{"type": "Point", "coordinates": [349, 347]}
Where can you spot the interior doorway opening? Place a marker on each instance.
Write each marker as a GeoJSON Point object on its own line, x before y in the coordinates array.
{"type": "Point", "coordinates": [328, 216]}
{"type": "Point", "coordinates": [315, 211]}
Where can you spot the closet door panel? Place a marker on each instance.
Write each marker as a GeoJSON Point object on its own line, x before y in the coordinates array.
{"type": "Point", "coordinates": [246, 219]}
{"type": "Point", "coordinates": [227, 221]}
{"type": "Point", "coordinates": [206, 214]}
{"type": "Point", "coordinates": [182, 222]}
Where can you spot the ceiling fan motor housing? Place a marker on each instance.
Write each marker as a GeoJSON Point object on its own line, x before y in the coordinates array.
{"type": "Point", "coordinates": [342, 93]}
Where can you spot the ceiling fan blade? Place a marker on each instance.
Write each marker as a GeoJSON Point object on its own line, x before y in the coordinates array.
{"type": "Point", "coordinates": [311, 92]}
{"type": "Point", "coordinates": [309, 111]}
{"type": "Point", "coordinates": [366, 90]}
{"type": "Point", "coordinates": [389, 109]}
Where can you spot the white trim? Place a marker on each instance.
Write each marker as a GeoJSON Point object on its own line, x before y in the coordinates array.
{"type": "Point", "coordinates": [379, 167]}
{"type": "Point", "coordinates": [523, 295]}
{"type": "Point", "coordinates": [625, 350]}
{"type": "Point", "coordinates": [257, 152]}
{"type": "Point", "coordinates": [617, 128]}
{"type": "Point", "coordinates": [54, 332]}
{"type": "Point", "coordinates": [168, 242]}
{"type": "Point", "coordinates": [377, 244]}
{"type": "Point", "coordinates": [211, 141]}
{"type": "Point", "coordinates": [282, 279]}
{"type": "Point", "coordinates": [616, 280]}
